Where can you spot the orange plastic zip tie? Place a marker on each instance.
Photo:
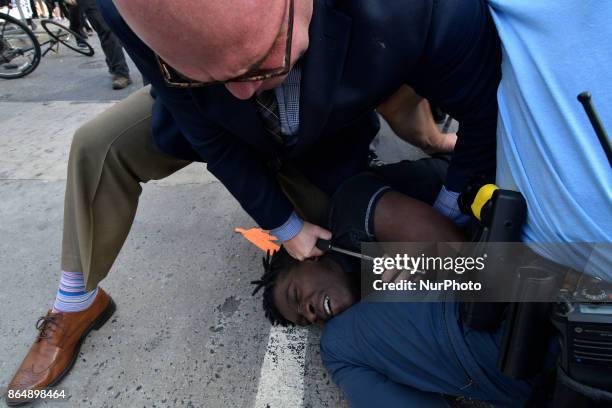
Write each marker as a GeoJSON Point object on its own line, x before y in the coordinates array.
{"type": "Point", "coordinates": [260, 238]}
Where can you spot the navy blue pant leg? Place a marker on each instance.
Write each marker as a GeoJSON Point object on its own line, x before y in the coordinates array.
{"type": "Point", "coordinates": [407, 354]}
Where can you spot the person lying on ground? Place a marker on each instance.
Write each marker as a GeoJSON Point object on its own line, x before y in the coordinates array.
{"type": "Point", "coordinates": [385, 354]}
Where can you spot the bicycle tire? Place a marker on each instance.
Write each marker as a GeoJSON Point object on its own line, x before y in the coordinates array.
{"type": "Point", "coordinates": [31, 66]}
{"type": "Point", "coordinates": [62, 38]}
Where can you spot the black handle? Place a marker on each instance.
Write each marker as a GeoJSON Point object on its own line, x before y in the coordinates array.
{"type": "Point", "coordinates": [323, 244]}
{"type": "Point", "coordinates": [585, 100]}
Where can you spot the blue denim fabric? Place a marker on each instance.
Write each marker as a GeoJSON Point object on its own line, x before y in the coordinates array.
{"type": "Point", "coordinates": [407, 354]}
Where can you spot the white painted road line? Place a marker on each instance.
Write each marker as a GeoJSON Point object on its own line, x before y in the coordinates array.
{"type": "Point", "coordinates": [281, 380]}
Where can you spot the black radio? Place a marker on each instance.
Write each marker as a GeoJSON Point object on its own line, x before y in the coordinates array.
{"type": "Point", "coordinates": [584, 321]}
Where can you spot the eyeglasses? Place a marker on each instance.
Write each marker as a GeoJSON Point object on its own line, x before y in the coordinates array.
{"type": "Point", "coordinates": [175, 79]}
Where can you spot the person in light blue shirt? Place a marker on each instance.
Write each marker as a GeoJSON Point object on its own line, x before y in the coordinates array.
{"type": "Point", "coordinates": [547, 148]}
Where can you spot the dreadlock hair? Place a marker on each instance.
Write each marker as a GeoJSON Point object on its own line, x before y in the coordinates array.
{"type": "Point", "coordinates": [275, 264]}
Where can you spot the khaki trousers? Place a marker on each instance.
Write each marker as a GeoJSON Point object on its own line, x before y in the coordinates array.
{"type": "Point", "coordinates": [110, 156]}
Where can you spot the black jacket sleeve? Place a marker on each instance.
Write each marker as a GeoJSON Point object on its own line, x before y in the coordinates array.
{"type": "Point", "coordinates": [460, 71]}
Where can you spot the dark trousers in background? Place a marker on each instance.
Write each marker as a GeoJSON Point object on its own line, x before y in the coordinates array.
{"type": "Point", "coordinates": [115, 59]}
{"type": "Point", "coordinates": [78, 21]}
{"type": "Point", "coordinates": [60, 4]}
{"type": "Point", "coordinates": [33, 7]}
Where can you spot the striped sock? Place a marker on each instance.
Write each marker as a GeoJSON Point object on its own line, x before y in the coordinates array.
{"type": "Point", "coordinates": [71, 295]}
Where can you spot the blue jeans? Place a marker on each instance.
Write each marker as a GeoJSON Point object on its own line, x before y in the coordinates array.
{"type": "Point", "coordinates": [407, 354]}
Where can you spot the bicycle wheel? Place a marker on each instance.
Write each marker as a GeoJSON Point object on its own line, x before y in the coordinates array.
{"type": "Point", "coordinates": [69, 38]}
{"type": "Point", "coordinates": [19, 48]}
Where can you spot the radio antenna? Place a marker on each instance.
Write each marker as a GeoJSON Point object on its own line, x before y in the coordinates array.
{"type": "Point", "coordinates": [585, 100]}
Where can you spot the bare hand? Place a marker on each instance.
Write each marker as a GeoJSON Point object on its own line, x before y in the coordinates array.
{"type": "Point", "coordinates": [410, 117]}
{"type": "Point", "coordinates": [302, 246]}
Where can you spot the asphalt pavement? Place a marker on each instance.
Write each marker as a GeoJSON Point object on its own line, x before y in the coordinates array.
{"type": "Point", "coordinates": [187, 332]}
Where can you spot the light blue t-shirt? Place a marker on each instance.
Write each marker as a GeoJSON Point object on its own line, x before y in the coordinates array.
{"type": "Point", "coordinates": [547, 149]}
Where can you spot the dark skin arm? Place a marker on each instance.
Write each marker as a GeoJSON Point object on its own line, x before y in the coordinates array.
{"type": "Point", "coordinates": [399, 218]}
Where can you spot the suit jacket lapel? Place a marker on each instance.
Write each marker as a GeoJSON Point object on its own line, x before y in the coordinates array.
{"type": "Point", "coordinates": [239, 117]}
{"type": "Point", "coordinates": [321, 71]}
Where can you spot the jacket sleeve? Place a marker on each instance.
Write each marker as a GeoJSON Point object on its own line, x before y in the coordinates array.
{"type": "Point", "coordinates": [460, 71]}
{"type": "Point", "coordinates": [234, 163]}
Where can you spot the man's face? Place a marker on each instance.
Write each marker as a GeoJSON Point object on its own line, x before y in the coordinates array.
{"type": "Point", "coordinates": [314, 291]}
{"type": "Point", "coordinates": [255, 53]}
{"type": "Point", "coordinates": [299, 45]}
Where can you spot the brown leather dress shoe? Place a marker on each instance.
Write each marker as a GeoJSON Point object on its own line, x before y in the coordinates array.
{"type": "Point", "coordinates": [57, 346]}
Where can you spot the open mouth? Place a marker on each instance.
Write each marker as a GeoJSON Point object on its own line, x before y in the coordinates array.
{"type": "Point", "coordinates": [327, 307]}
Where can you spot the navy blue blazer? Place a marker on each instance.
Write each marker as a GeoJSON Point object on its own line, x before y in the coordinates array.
{"type": "Point", "coordinates": [360, 52]}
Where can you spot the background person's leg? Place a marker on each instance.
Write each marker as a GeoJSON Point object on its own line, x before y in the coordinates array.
{"type": "Point", "coordinates": [109, 158]}
{"type": "Point", "coordinates": [63, 9]}
{"type": "Point", "coordinates": [50, 7]}
{"type": "Point", "coordinates": [115, 58]}
{"type": "Point", "coordinates": [42, 8]}
{"type": "Point", "coordinates": [76, 20]}
{"type": "Point", "coordinates": [33, 7]}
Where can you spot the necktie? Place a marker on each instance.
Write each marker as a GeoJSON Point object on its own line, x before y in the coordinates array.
{"type": "Point", "coordinates": [268, 110]}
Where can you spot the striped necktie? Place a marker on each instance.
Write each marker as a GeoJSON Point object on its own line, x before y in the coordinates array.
{"type": "Point", "coordinates": [267, 106]}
